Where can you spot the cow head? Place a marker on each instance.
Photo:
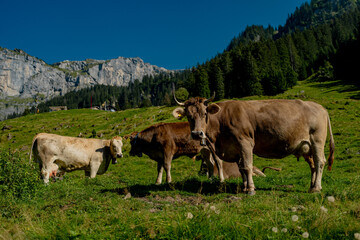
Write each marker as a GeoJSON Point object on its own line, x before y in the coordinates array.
{"type": "Point", "coordinates": [197, 111]}
{"type": "Point", "coordinates": [116, 148]}
{"type": "Point", "coordinates": [135, 146]}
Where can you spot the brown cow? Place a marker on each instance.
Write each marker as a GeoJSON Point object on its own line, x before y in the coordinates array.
{"type": "Point", "coordinates": [163, 142]}
{"type": "Point", "coordinates": [166, 141]}
{"type": "Point", "coordinates": [59, 154]}
{"type": "Point", "coordinates": [268, 128]}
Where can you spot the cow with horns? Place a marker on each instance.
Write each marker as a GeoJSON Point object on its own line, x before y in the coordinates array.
{"type": "Point", "coordinates": [235, 130]}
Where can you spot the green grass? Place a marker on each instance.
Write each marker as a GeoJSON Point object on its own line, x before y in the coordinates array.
{"type": "Point", "coordinates": [192, 206]}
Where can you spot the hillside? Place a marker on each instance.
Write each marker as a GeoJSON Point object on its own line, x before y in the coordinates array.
{"type": "Point", "coordinates": [193, 206]}
{"type": "Point", "coordinates": [308, 15]}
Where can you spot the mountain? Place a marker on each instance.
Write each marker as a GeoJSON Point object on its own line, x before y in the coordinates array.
{"type": "Point", "coordinates": [308, 15]}
{"type": "Point", "coordinates": [26, 77]}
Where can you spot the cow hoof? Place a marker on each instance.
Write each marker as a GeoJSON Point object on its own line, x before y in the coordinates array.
{"type": "Point", "coordinates": [314, 190]}
{"type": "Point", "coordinates": [251, 193]}
{"type": "Point", "coordinates": [158, 183]}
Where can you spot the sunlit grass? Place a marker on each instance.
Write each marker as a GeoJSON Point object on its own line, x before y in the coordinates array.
{"type": "Point", "coordinates": [124, 203]}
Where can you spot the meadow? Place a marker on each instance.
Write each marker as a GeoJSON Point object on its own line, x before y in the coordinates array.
{"type": "Point", "coordinates": [124, 203]}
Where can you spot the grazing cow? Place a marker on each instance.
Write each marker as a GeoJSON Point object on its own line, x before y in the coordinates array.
{"type": "Point", "coordinates": [60, 154]}
{"type": "Point", "coordinates": [234, 130]}
{"type": "Point", "coordinates": [166, 141]}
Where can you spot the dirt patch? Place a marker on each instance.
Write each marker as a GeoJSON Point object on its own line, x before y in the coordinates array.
{"type": "Point", "coordinates": [158, 201]}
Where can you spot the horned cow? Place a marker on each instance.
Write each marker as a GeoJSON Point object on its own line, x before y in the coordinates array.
{"type": "Point", "coordinates": [235, 130]}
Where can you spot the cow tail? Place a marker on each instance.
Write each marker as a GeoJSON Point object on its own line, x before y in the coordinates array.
{"type": "Point", "coordinates": [34, 143]}
{"type": "Point", "coordinates": [332, 146]}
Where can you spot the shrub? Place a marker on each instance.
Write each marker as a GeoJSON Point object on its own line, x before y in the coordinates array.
{"type": "Point", "coordinates": [18, 178]}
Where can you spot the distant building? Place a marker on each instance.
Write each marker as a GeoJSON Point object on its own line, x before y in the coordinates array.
{"type": "Point", "coordinates": [57, 108]}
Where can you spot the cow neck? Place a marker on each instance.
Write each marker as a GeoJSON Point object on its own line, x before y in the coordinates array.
{"type": "Point", "coordinates": [212, 128]}
{"type": "Point", "coordinates": [144, 136]}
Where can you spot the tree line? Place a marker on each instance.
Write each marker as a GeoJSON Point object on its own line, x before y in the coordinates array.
{"type": "Point", "coordinates": [270, 66]}
{"type": "Point", "coordinates": [151, 91]}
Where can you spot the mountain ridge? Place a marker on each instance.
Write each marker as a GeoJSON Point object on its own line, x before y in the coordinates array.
{"type": "Point", "coordinates": [26, 76]}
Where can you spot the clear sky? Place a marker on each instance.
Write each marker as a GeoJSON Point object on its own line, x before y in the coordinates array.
{"type": "Point", "coordinates": [174, 34]}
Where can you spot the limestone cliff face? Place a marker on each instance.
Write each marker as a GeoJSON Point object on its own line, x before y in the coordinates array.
{"type": "Point", "coordinates": [25, 76]}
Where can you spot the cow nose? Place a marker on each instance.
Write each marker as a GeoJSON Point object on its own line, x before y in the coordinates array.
{"type": "Point", "coordinates": [199, 134]}
{"type": "Point", "coordinates": [119, 155]}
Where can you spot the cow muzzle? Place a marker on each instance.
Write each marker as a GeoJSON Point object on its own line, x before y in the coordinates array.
{"type": "Point", "coordinates": [201, 135]}
{"type": "Point", "coordinates": [119, 155]}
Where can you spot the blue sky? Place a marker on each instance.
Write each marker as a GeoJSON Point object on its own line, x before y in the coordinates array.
{"type": "Point", "coordinates": [171, 34]}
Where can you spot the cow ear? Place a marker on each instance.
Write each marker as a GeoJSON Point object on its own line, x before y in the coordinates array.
{"type": "Point", "coordinates": [213, 108]}
{"type": "Point", "coordinates": [179, 113]}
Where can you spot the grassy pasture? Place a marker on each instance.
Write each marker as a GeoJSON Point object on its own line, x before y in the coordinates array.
{"type": "Point", "coordinates": [124, 203]}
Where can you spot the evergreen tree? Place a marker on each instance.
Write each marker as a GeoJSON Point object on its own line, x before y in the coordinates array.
{"type": "Point", "coordinates": [219, 84]}
{"type": "Point", "coordinates": [202, 83]}
{"type": "Point", "coordinates": [251, 83]}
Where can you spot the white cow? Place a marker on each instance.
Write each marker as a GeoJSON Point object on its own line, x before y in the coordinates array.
{"type": "Point", "coordinates": [59, 154]}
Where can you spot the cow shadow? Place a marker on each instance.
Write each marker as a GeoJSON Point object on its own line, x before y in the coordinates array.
{"type": "Point", "coordinates": [206, 188]}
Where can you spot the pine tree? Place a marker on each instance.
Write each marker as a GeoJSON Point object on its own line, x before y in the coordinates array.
{"type": "Point", "coordinates": [202, 83]}
{"type": "Point", "coordinates": [219, 84]}
{"type": "Point", "coordinates": [226, 67]}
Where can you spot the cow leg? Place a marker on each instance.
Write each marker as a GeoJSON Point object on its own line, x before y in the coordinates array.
{"type": "Point", "coordinates": [219, 165]}
{"type": "Point", "coordinates": [246, 163]}
{"type": "Point", "coordinates": [45, 175]}
{"type": "Point", "coordinates": [319, 161]}
{"type": "Point", "coordinates": [160, 169]}
{"type": "Point", "coordinates": [310, 161]}
{"type": "Point", "coordinates": [218, 161]}
{"type": "Point", "coordinates": [243, 176]}
{"type": "Point", "coordinates": [167, 166]}
{"type": "Point", "coordinates": [94, 167]}
{"type": "Point", "coordinates": [209, 161]}
{"type": "Point", "coordinates": [318, 139]}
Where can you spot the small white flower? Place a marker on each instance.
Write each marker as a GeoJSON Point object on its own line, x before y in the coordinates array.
{"type": "Point", "coordinates": [300, 207]}
{"type": "Point", "coordinates": [357, 236]}
{"type": "Point", "coordinates": [189, 215]}
{"type": "Point", "coordinates": [324, 209]}
{"type": "Point", "coordinates": [275, 229]}
{"type": "Point", "coordinates": [293, 209]}
{"type": "Point", "coordinates": [213, 208]}
{"type": "Point", "coordinates": [331, 199]}
{"type": "Point", "coordinates": [305, 235]}
{"type": "Point", "coordinates": [284, 230]}
{"type": "Point", "coordinates": [295, 218]}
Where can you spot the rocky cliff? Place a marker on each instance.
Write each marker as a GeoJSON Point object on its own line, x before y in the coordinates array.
{"type": "Point", "coordinates": [27, 77]}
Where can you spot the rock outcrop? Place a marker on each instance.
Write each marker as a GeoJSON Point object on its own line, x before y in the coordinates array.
{"type": "Point", "coordinates": [27, 77]}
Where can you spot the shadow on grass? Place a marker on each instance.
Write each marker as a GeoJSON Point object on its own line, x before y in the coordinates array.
{"type": "Point", "coordinates": [344, 86]}
{"type": "Point", "coordinates": [192, 185]}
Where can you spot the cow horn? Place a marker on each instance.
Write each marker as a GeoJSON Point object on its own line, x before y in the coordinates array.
{"type": "Point", "coordinates": [210, 99]}
{"type": "Point", "coordinates": [178, 103]}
